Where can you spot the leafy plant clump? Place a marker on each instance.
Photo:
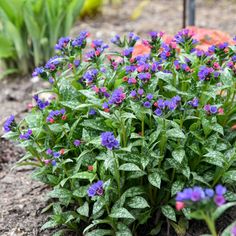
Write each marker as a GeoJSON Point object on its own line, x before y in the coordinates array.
{"type": "Point", "coordinates": [29, 30]}
{"type": "Point", "coordinates": [125, 131]}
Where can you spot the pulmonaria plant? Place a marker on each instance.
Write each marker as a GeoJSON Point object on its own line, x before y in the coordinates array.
{"type": "Point", "coordinates": [127, 130]}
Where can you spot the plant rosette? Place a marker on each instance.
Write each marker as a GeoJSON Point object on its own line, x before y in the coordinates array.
{"type": "Point", "coordinates": [127, 130]}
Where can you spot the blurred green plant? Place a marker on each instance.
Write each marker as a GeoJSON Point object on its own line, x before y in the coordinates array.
{"type": "Point", "coordinates": [29, 30]}
{"type": "Point", "coordinates": [91, 7]}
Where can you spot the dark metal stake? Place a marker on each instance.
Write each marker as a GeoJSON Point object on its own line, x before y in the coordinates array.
{"type": "Point", "coordinates": [191, 12]}
{"type": "Point", "coordinates": [184, 13]}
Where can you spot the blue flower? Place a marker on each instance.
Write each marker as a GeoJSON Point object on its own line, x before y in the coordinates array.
{"type": "Point", "coordinates": [96, 189]}
{"type": "Point", "coordinates": [128, 52]}
{"type": "Point", "coordinates": [80, 41]}
{"type": "Point", "coordinates": [62, 43]}
{"type": "Point", "coordinates": [90, 75]}
{"type": "Point", "coordinates": [77, 142]}
{"type": "Point", "coordinates": [158, 112]}
{"type": "Point", "coordinates": [116, 40]}
{"type": "Point", "coordinates": [26, 135]}
{"type": "Point", "coordinates": [147, 104]}
{"type": "Point", "coordinates": [109, 141]}
{"type": "Point", "coordinates": [41, 104]}
{"type": "Point", "coordinates": [117, 97]}
{"type": "Point", "coordinates": [9, 124]}
{"type": "Point", "coordinates": [38, 71]}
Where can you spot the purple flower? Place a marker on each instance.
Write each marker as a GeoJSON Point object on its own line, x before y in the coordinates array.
{"type": "Point", "coordinates": [149, 96]}
{"type": "Point", "coordinates": [161, 103]}
{"type": "Point", "coordinates": [9, 124]}
{"type": "Point", "coordinates": [40, 103]}
{"type": "Point", "coordinates": [49, 151]}
{"type": "Point", "coordinates": [209, 192]}
{"type": "Point", "coordinates": [92, 112]}
{"type": "Point", "coordinates": [117, 97]}
{"type": "Point", "coordinates": [194, 103]}
{"type": "Point", "coordinates": [133, 93]}
{"type": "Point", "coordinates": [105, 105]}
{"type": "Point", "coordinates": [197, 194]}
{"type": "Point", "coordinates": [80, 41]}
{"type": "Point", "coordinates": [219, 200]}
{"type": "Point", "coordinates": [109, 141]}
{"type": "Point", "coordinates": [53, 62]}
{"type": "Point", "coordinates": [56, 154]}
{"type": "Point", "coordinates": [38, 71]}
{"type": "Point", "coordinates": [153, 35]}
{"type": "Point", "coordinates": [77, 142]}
{"type": "Point", "coordinates": [90, 75]}
{"type": "Point", "coordinates": [223, 45]}
{"type": "Point", "coordinates": [26, 135]}
{"type": "Point", "coordinates": [53, 162]}
{"type": "Point", "coordinates": [170, 104]}
{"type": "Point", "coordinates": [132, 39]}
{"type": "Point", "coordinates": [204, 72]}
{"type": "Point", "coordinates": [130, 68]}
{"type": "Point", "coordinates": [156, 66]}
{"type": "Point", "coordinates": [128, 52]}
{"type": "Point", "coordinates": [96, 189]}
{"type": "Point", "coordinates": [147, 104]}
{"type": "Point", "coordinates": [62, 43]}
{"type": "Point", "coordinates": [158, 112]}
{"type": "Point", "coordinates": [76, 63]}
{"type": "Point", "coordinates": [144, 76]}
{"type": "Point", "coordinates": [220, 190]}
{"type": "Point", "coordinates": [116, 40]}
{"type": "Point", "coordinates": [213, 110]}
{"type": "Point", "coordinates": [53, 114]}
{"type": "Point", "coordinates": [140, 91]}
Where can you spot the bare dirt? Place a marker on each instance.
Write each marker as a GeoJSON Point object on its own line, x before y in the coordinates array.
{"type": "Point", "coordinates": [22, 199]}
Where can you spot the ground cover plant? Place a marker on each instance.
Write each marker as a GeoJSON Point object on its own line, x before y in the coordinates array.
{"type": "Point", "coordinates": [124, 132]}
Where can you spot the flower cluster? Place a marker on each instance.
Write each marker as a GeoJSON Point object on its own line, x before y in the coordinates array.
{"type": "Point", "coordinates": [169, 104]}
{"type": "Point", "coordinates": [200, 195]}
{"type": "Point", "coordinates": [80, 41]}
{"type": "Point", "coordinates": [53, 114]}
{"type": "Point", "coordinates": [109, 141]}
{"type": "Point", "coordinates": [9, 123]}
{"type": "Point", "coordinates": [40, 103]}
{"type": "Point", "coordinates": [96, 189]}
{"type": "Point", "coordinates": [26, 135]}
{"type": "Point", "coordinates": [62, 43]}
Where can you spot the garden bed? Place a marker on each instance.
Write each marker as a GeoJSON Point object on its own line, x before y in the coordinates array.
{"type": "Point", "coordinates": [21, 198]}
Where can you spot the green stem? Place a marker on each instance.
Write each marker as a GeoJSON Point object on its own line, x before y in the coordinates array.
{"type": "Point", "coordinates": [142, 132]}
{"type": "Point", "coordinates": [117, 173]}
{"type": "Point", "coordinates": [211, 224]}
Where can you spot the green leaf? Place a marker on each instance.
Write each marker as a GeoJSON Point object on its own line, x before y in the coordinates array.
{"type": "Point", "coordinates": [178, 155]}
{"type": "Point", "coordinates": [123, 230]}
{"type": "Point", "coordinates": [84, 175]}
{"type": "Point", "coordinates": [98, 205]}
{"type": "Point", "coordinates": [99, 232]}
{"type": "Point", "coordinates": [121, 213]}
{"type": "Point", "coordinates": [221, 209]}
{"type": "Point", "coordinates": [137, 202]}
{"type": "Point", "coordinates": [229, 176]}
{"type": "Point", "coordinates": [227, 231]}
{"type": "Point", "coordinates": [84, 210]}
{"type": "Point", "coordinates": [214, 158]}
{"type": "Point", "coordinates": [129, 167]}
{"type": "Point", "coordinates": [175, 133]}
{"type": "Point", "coordinates": [155, 179]}
{"type": "Point", "coordinates": [49, 224]}
{"type": "Point", "coordinates": [169, 212]}
{"type": "Point", "coordinates": [177, 186]}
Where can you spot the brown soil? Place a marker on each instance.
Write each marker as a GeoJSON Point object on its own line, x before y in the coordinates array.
{"type": "Point", "coordinates": [22, 199]}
